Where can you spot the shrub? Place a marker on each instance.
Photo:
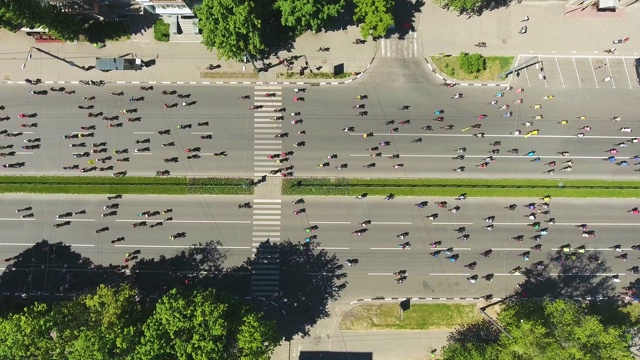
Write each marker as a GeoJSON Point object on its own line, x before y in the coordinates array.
{"type": "Point", "coordinates": [472, 63]}
{"type": "Point", "coordinates": [161, 30]}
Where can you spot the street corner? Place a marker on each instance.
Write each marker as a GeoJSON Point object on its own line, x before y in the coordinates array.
{"type": "Point", "coordinates": [592, 72]}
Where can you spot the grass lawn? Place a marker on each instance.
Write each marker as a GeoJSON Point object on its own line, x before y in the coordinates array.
{"type": "Point", "coordinates": [419, 317]}
{"type": "Point", "coordinates": [125, 185]}
{"type": "Point", "coordinates": [495, 65]}
{"type": "Point", "coordinates": [454, 187]}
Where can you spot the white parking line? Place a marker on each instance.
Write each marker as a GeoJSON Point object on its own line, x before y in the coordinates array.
{"type": "Point", "coordinates": [560, 72]}
{"type": "Point", "coordinates": [627, 71]}
{"type": "Point", "coordinates": [593, 70]}
{"type": "Point", "coordinates": [577, 72]}
{"type": "Point", "coordinates": [613, 82]}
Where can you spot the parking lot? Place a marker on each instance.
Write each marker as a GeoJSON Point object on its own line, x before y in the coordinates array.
{"type": "Point", "coordinates": [597, 72]}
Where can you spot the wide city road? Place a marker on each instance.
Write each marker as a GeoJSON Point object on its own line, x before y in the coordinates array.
{"type": "Point", "coordinates": [218, 218]}
{"type": "Point", "coordinates": [326, 111]}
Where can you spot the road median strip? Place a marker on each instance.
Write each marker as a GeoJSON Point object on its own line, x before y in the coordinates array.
{"type": "Point", "coordinates": [125, 185]}
{"type": "Point", "coordinates": [454, 187]}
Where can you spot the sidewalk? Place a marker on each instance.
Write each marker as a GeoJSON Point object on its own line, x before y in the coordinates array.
{"type": "Point", "coordinates": [326, 336]}
{"type": "Point", "coordinates": [549, 32]}
{"type": "Point", "coordinates": [175, 62]}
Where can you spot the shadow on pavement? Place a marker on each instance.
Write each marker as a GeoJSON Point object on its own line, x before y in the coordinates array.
{"type": "Point", "coordinates": [578, 277]}
{"type": "Point", "coordinates": [309, 278]}
{"type": "Point", "coordinates": [404, 12]}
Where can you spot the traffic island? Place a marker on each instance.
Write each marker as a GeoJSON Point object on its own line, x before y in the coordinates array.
{"type": "Point", "coordinates": [453, 187]}
{"type": "Point", "coordinates": [487, 69]}
{"type": "Point", "coordinates": [134, 185]}
{"type": "Point", "coordinates": [390, 316]}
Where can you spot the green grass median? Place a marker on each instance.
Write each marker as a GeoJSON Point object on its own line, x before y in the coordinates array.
{"type": "Point", "coordinates": [454, 187]}
{"type": "Point", "coordinates": [418, 317]}
{"type": "Point", "coordinates": [125, 185]}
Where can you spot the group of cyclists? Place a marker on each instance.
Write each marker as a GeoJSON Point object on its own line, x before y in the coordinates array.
{"type": "Point", "coordinates": [99, 119]}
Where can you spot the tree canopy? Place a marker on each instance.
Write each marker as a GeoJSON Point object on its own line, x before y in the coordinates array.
{"type": "Point", "coordinates": [205, 325]}
{"type": "Point", "coordinates": [470, 7]}
{"type": "Point", "coordinates": [112, 324]}
{"type": "Point", "coordinates": [15, 14]}
{"type": "Point", "coordinates": [549, 330]}
{"type": "Point", "coordinates": [232, 27]}
{"type": "Point", "coordinates": [376, 17]}
{"type": "Point", "coordinates": [303, 15]}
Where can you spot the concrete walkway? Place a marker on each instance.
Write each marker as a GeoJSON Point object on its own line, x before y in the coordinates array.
{"type": "Point", "coordinates": [174, 62]}
{"type": "Point", "coordinates": [327, 338]}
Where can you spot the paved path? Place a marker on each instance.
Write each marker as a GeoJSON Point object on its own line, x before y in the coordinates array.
{"type": "Point", "coordinates": [175, 62]}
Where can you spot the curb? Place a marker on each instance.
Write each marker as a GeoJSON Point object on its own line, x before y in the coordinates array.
{"type": "Point", "coordinates": [382, 299]}
{"type": "Point", "coordinates": [448, 81]}
{"type": "Point", "coordinates": [420, 298]}
{"type": "Point", "coordinates": [322, 83]}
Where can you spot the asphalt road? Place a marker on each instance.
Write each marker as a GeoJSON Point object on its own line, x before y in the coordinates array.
{"type": "Point", "coordinates": [326, 111]}
{"type": "Point", "coordinates": [218, 218]}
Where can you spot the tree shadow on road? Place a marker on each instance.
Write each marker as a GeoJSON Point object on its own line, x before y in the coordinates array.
{"type": "Point", "coordinates": [577, 277]}
{"type": "Point", "coordinates": [404, 13]}
{"type": "Point", "coordinates": [309, 279]}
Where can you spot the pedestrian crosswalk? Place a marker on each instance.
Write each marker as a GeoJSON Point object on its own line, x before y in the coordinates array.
{"type": "Point", "coordinates": [265, 270]}
{"type": "Point", "coordinates": [265, 265]}
{"type": "Point", "coordinates": [400, 48]}
{"type": "Point", "coordinates": [265, 128]}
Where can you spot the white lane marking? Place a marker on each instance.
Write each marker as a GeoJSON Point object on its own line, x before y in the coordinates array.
{"type": "Point", "coordinates": [18, 219]}
{"type": "Point", "coordinates": [274, 147]}
{"type": "Point", "coordinates": [268, 141]}
{"type": "Point", "coordinates": [31, 244]}
{"type": "Point", "coordinates": [574, 224]}
{"type": "Point", "coordinates": [266, 217]}
{"type": "Point", "coordinates": [390, 223]}
{"type": "Point", "coordinates": [189, 221]}
{"type": "Point", "coordinates": [452, 274]}
{"type": "Point", "coordinates": [73, 220]}
{"type": "Point", "coordinates": [393, 248]}
{"type": "Point", "coordinates": [577, 72]}
{"type": "Point", "coordinates": [266, 211]}
{"type": "Point", "coordinates": [267, 200]}
{"type": "Point", "coordinates": [500, 135]}
{"type": "Point", "coordinates": [593, 70]}
{"type": "Point", "coordinates": [173, 246]}
{"type": "Point", "coordinates": [381, 274]}
{"type": "Point", "coordinates": [450, 223]}
{"type": "Point", "coordinates": [329, 222]}
{"type": "Point", "coordinates": [266, 222]}
{"type": "Point", "coordinates": [495, 156]}
{"type": "Point", "coordinates": [600, 274]}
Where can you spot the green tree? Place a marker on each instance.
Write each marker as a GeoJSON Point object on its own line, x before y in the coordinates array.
{"type": "Point", "coordinates": [303, 15]}
{"type": "Point", "coordinates": [549, 330]}
{"type": "Point", "coordinates": [472, 7]}
{"type": "Point", "coordinates": [15, 14]}
{"type": "Point", "coordinates": [375, 15]}
{"type": "Point", "coordinates": [472, 63]}
{"type": "Point", "coordinates": [232, 27]}
{"type": "Point", "coordinates": [205, 325]}
{"type": "Point", "coordinates": [101, 326]}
